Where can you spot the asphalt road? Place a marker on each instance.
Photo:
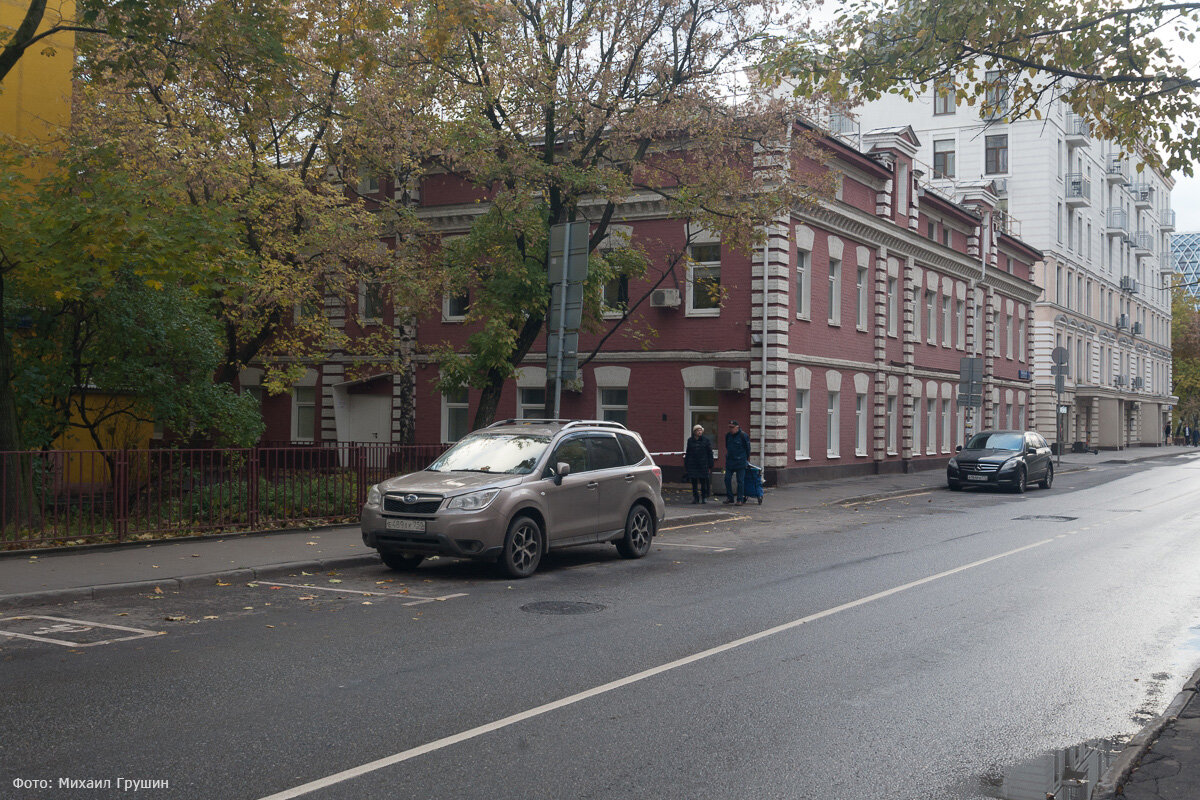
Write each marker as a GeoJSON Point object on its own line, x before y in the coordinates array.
{"type": "Point", "coordinates": [914, 648]}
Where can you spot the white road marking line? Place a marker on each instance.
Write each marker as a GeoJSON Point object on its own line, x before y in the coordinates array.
{"type": "Point", "coordinates": [698, 524]}
{"type": "Point", "coordinates": [885, 499]}
{"type": "Point", "coordinates": [490, 727]}
{"type": "Point", "coordinates": [419, 597]}
{"type": "Point", "coordinates": [697, 546]}
{"type": "Point", "coordinates": [432, 599]}
{"type": "Point", "coordinates": [139, 633]}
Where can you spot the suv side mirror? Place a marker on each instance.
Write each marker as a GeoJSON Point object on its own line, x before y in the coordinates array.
{"type": "Point", "coordinates": [958, 449]}
{"type": "Point", "coordinates": [561, 470]}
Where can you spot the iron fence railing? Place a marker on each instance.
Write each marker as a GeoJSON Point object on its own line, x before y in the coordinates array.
{"type": "Point", "coordinates": [90, 496]}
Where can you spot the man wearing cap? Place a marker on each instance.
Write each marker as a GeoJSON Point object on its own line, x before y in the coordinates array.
{"type": "Point", "coordinates": [737, 456]}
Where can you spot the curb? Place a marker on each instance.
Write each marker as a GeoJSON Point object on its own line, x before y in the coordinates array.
{"type": "Point", "coordinates": [185, 582]}
{"type": "Point", "coordinates": [1111, 784]}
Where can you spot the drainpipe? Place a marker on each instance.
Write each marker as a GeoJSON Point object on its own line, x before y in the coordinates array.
{"type": "Point", "coordinates": [762, 414]}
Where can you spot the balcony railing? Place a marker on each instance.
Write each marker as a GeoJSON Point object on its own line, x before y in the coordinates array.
{"type": "Point", "coordinates": [1116, 170]}
{"type": "Point", "coordinates": [1079, 189]}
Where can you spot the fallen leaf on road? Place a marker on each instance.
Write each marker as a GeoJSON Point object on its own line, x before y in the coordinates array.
{"type": "Point", "coordinates": [174, 619]}
{"type": "Point", "coordinates": [222, 584]}
{"type": "Point", "coordinates": [311, 544]}
{"type": "Point", "coordinates": [123, 614]}
{"type": "Point", "coordinates": [195, 555]}
{"type": "Point", "coordinates": [247, 608]}
{"type": "Point", "coordinates": [270, 626]}
{"type": "Point", "coordinates": [403, 591]}
{"type": "Point", "coordinates": [158, 590]}
{"type": "Point", "coordinates": [306, 573]}
{"type": "Point", "coordinates": [212, 617]}
{"type": "Point", "coordinates": [307, 597]}
{"type": "Point", "coordinates": [335, 580]}
{"type": "Point", "coordinates": [367, 603]}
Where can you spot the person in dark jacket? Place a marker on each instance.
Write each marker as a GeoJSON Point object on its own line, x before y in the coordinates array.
{"type": "Point", "coordinates": [737, 456]}
{"type": "Point", "coordinates": [698, 464]}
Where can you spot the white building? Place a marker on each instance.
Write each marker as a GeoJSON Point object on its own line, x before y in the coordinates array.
{"type": "Point", "coordinates": [1104, 226]}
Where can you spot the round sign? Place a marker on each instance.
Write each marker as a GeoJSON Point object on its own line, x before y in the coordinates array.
{"type": "Point", "coordinates": [1059, 355]}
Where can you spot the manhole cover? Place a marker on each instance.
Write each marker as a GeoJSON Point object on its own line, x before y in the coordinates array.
{"type": "Point", "coordinates": [1047, 517]}
{"type": "Point", "coordinates": [561, 607]}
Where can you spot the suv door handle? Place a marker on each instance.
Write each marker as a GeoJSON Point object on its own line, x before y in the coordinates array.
{"type": "Point", "coordinates": [592, 485]}
{"type": "Point", "coordinates": [629, 478]}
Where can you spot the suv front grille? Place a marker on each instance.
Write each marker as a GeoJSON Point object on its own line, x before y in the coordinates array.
{"type": "Point", "coordinates": [984, 468]}
{"type": "Point", "coordinates": [425, 504]}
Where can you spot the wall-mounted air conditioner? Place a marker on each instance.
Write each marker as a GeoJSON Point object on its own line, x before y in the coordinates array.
{"type": "Point", "coordinates": [730, 380]}
{"type": "Point", "coordinates": [1120, 380]}
{"type": "Point", "coordinates": [665, 298]}
{"type": "Point", "coordinates": [1139, 383]}
{"type": "Point", "coordinates": [1136, 330]}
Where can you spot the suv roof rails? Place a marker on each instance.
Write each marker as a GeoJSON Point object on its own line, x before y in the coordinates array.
{"type": "Point", "coordinates": [566, 423]}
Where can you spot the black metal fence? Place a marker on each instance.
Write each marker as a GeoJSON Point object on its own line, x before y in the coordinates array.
{"type": "Point", "coordinates": [90, 496]}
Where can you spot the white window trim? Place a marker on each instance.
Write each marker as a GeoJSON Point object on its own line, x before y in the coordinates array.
{"type": "Point", "coordinates": [804, 263]}
{"type": "Point", "coordinates": [521, 405]}
{"type": "Point", "coordinates": [446, 406]}
{"type": "Point", "coordinates": [446, 315]}
{"type": "Point", "coordinates": [363, 319]}
{"type": "Point", "coordinates": [833, 417]}
{"type": "Point", "coordinates": [930, 307]}
{"type": "Point", "coordinates": [601, 407]}
{"type": "Point", "coordinates": [931, 408]}
{"type": "Point", "coordinates": [947, 321]}
{"type": "Point", "coordinates": [947, 414]}
{"type": "Point", "coordinates": [835, 292]}
{"type": "Point", "coordinates": [892, 437]}
{"type": "Point", "coordinates": [861, 413]}
{"type": "Point", "coordinates": [690, 288]}
{"type": "Point", "coordinates": [862, 285]}
{"type": "Point", "coordinates": [803, 424]}
{"type": "Point", "coordinates": [296, 405]}
{"type": "Point", "coordinates": [893, 306]}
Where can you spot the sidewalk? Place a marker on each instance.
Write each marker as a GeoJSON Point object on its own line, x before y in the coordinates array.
{"type": "Point", "coordinates": [1160, 763]}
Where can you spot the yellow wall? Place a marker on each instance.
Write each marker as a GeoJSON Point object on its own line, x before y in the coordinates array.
{"type": "Point", "coordinates": [35, 97]}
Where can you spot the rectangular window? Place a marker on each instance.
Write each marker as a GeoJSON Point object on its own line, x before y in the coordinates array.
{"type": "Point", "coordinates": [801, 424]}
{"type": "Point", "coordinates": [947, 322]}
{"type": "Point", "coordinates": [1021, 416]}
{"type": "Point", "coordinates": [891, 425]}
{"type": "Point", "coordinates": [1021, 339]}
{"type": "Point", "coordinates": [860, 425]}
{"type": "Point", "coordinates": [943, 158]}
{"type": "Point", "coordinates": [832, 433]}
{"type": "Point", "coordinates": [995, 154]}
{"type": "Point", "coordinates": [916, 426]}
{"type": "Point", "coordinates": [370, 303]}
{"type": "Point", "coordinates": [803, 284]}
{"type": "Point", "coordinates": [304, 413]}
{"type": "Point", "coordinates": [835, 292]}
{"type": "Point", "coordinates": [1060, 225]}
{"type": "Point", "coordinates": [946, 417]}
{"type": "Point", "coordinates": [893, 310]}
{"type": "Point", "coordinates": [613, 406]}
{"type": "Point", "coordinates": [455, 306]}
{"type": "Point", "coordinates": [1008, 336]}
{"type": "Point", "coordinates": [704, 280]}
{"type": "Point", "coordinates": [995, 99]}
{"type": "Point", "coordinates": [455, 422]}
{"type": "Point", "coordinates": [918, 315]}
{"type": "Point", "coordinates": [531, 403]}
{"type": "Point", "coordinates": [960, 317]}
{"type": "Point", "coordinates": [616, 296]}
{"type": "Point", "coordinates": [931, 425]}
{"type": "Point", "coordinates": [944, 100]}
{"type": "Point", "coordinates": [931, 316]}
{"type": "Point", "coordinates": [861, 301]}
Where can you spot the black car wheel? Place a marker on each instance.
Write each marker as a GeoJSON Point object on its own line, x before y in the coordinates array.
{"type": "Point", "coordinates": [400, 561]}
{"type": "Point", "coordinates": [639, 530]}
{"type": "Point", "coordinates": [1020, 485]}
{"type": "Point", "coordinates": [522, 548]}
{"type": "Point", "coordinates": [1046, 482]}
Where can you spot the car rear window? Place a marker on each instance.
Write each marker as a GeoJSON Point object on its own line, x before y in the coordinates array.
{"type": "Point", "coordinates": [606, 453]}
{"type": "Point", "coordinates": [634, 452]}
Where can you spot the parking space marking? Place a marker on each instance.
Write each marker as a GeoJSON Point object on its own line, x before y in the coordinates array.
{"type": "Point", "coordinates": [416, 598]}
{"type": "Point", "coordinates": [885, 499]}
{"type": "Point", "coordinates": [59, 626]}
{"type": "Point", "coordinates": [713, 548]}
{"type": "Point", "coordinates": [698, 524]}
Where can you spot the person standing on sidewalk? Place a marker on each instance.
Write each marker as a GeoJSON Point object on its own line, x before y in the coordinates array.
{"type": "Point", "coordinates": [1167, 433]}
{"type": "Point", "coordinates": [737, 456]}
{"type": "Point", "coordinates": [698, 464]}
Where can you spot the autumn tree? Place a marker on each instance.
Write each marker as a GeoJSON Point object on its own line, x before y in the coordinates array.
{"type": "Point", "coordinates": [1185, 354]}
{"type": "Point", "coordinates": [564, 111]}
{"type": "Point", "coordinates": [246, 104]}
{"type": "Point", "coordinates": [1113, 65]}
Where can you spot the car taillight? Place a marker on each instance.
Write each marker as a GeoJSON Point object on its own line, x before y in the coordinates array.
{"type": "Point", "coordinates": [657, 473]}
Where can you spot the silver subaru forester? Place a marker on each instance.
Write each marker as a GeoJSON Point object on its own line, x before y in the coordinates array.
{"type": "Point", "coordinates": [518, 488]}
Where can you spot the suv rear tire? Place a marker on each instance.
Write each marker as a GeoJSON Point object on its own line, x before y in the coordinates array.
{"type": "Point", "coordinates": [522, 547]}
{"type": "Point", "coordinates": [639, 531]}
{"type": "Point", "coordinates": [1047, 481]}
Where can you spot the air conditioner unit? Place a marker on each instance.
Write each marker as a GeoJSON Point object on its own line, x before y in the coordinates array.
{"type": "Point", "coordinates": [1138, 383]}
{"type": "Point", "coordinates": [1119, 380]}
{"type": "Point", "coordinates": [1136, 330]}
{"type": "Point", "coordinates": [730, 380]}
{"type": "Point", "coordinates": [664, 298]}
{"type": "Point", "coordinates": [1123, 322]}
{"type": "Point", "coordinates": [1126, 283]}
{"type": "Point", "coordinates": [1001, 185]}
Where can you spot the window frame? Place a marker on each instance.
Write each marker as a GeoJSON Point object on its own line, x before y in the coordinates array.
{"type": "Point", "coordinates": [802, 418]}
{"type": "Point", "coordinates": [449, 405]}
{"type": "Point", "coordinates": [706, 267]}
{"type": "Point", "coordinates": [995, 158]}
{"type": "Point", "coordinates": [833, 419]}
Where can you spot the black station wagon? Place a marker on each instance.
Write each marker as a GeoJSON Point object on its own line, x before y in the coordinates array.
{"type": "Point", "coordinates": [1012, 459]}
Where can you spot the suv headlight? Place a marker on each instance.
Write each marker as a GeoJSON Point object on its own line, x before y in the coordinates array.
{"type": "Point", "coordinates": [476, 501]}
{"type": "Point", "coordinates": [1010, 464]}
{"type": "Point", "coordinates": [952, 463]}
{"type": "Point", "coordinates": [374, 496]}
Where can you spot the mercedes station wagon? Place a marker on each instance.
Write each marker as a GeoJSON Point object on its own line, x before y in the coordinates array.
{"type": "Point", "coordinates": [1012, 459]}
{"type": "Point", "coordinates": [514, 490]}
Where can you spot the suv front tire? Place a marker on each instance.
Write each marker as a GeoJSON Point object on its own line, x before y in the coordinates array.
{"type": "Point", "coordinates": [639, 531]}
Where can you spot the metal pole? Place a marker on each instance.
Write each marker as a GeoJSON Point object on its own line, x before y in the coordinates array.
{"type": "Point", "coordinates": [562, 319]}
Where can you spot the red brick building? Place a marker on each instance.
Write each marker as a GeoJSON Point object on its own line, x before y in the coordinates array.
{"type": "Point", "coordinates": [836, 344]}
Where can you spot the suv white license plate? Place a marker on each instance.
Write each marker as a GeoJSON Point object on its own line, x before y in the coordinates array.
{"type": "Point", "coordinates": [969, 477]}
{"type": "Point", "coordinates": [405, 525]}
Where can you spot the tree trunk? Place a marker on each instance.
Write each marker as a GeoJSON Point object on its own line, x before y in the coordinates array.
{"type": "Point", "coordinates": [15, 467]}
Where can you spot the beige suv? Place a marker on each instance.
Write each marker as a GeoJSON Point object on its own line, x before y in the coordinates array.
{"type": "Point", "coordinates": [518, 488]}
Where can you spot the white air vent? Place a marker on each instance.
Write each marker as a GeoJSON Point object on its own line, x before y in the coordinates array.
{"type": "Point", "coordinates": [730, 380]}
{"type": "Point", "coordinates": [665, 298]}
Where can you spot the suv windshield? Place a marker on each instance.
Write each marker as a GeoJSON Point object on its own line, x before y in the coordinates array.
{"type": "Point", "coordinates": [515, 454]}
{"type": "Point", "coordinates": [996, 441]}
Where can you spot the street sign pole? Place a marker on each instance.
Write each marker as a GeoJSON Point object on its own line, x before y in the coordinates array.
{"type": "Point", "coordinates": [567, 270]}
{"type": "Point", "coordinates": [562, 322]}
